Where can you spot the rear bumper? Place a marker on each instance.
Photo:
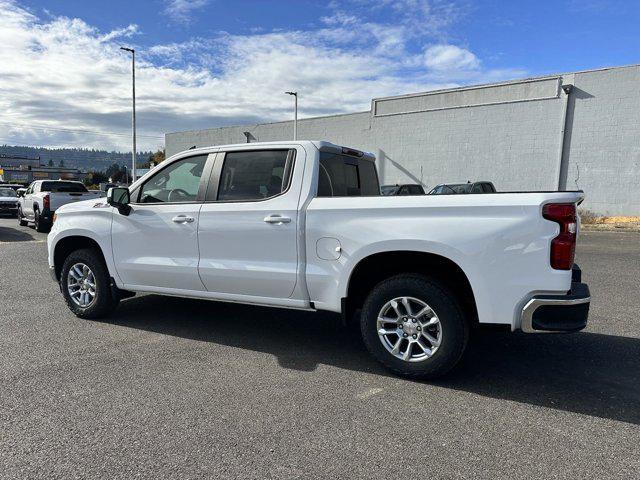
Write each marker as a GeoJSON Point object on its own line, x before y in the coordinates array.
{"type": "Point", "coordinates": [47, 216]}
{"type": "Point", "coordinates": [558, 313]}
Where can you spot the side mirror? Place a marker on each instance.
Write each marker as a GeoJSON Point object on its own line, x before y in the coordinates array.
{"type": "Point", "coordinates": [119, 198]}
{"type": "Point", "coordinates": [20, 192]}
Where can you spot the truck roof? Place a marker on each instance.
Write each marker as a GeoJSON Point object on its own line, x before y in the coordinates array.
{"type": "Point", "coordinates": [321, 145]}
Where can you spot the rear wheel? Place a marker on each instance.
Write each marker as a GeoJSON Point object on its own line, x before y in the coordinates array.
{"type": "Point", "coordinates": [414, 326]}
{"type": "Point", "coordinates": [40, 225]}
{"type": "Point", "coordinates": [85, 284]}
{"type": "Point", "coordinates": [21, 220]}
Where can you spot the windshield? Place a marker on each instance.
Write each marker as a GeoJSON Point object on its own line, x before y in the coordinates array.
{"type": "Point", "coordinates": [388, 189]}
{"type": "Point", "coordinates": [451, 188]}
{"type": "Point", "coordinates": [7, 192]}
{"type": "Point", "coordinates": [72, 187]}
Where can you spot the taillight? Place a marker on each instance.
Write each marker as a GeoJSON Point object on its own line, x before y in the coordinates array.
{"type": "Point", "coordinates": [563, 247]}
{"type": "Point", "coordinates": [45, 202]}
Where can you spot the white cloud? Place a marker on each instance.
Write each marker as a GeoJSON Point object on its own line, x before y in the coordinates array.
{"type": "Point", "coordinates": [61, 73]}
{"type": "Point", "coordinates": [450, 58]}
{"type": "Point", "coordinates": [181, 11]}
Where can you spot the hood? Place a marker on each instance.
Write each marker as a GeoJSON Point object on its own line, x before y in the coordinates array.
{"type": "Point", "coordinates": [84, 205]}
{"type": "Point", "coordinates": [9, 199]}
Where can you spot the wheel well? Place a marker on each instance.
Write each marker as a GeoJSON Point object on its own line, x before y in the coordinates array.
{"type": "Point", "coordinates": [70, 244]}
{"type": "Point", "coordinates": [373, 269]}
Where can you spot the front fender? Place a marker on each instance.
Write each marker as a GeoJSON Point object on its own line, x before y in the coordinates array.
{"type": "Point", "coordinates": [94, 225]}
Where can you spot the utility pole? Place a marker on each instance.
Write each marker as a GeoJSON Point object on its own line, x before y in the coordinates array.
{"type": "Point", "coordinates": [295, 114]}
{"type": "Point", "coordinates": [133, 115]}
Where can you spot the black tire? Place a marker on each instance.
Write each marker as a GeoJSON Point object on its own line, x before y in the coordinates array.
{"type": "Point", "coordinates": [104, 302]}
{"type": "Point", "coordinates": [453, 325]}
{"type": "Point", "coordinates": [41, 225]}
{"type": "Point", "coordinates": [21, 220]}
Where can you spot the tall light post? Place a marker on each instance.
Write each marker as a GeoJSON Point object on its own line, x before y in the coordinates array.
{"type": "Point", "coordinates": [133, 116]}
{"type": "Point", "coordinates": [295, 114]}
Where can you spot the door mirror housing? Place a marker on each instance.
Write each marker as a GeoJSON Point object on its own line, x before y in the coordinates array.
{"type": "Point", "coordinates": [20, 192]}
{"type": "Point", "coordinates": [119, 198]}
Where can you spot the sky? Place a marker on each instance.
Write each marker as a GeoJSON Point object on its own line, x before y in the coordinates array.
{"type": "Point", "coordinates": [64, 82]}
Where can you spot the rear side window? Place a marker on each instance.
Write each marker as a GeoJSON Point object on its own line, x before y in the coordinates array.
{"type": "Point", "coordinates": [69, 187]}
{"type": "Point", "coordinates": [255, 175]}
{"type": "Point", "coordinates": [346, 176]}
{"type": "Point", "coordinates": [487, 188]}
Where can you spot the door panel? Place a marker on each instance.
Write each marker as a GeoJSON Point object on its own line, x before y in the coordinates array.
{"type": "Point", "coordinates": [250, 247]}
{"type": "Point", "coordinates": [151, 249]}
{"type": "Point", "coordinates": [156, 245]}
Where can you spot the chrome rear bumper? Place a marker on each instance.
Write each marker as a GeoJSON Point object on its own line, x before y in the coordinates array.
{"type": "Point", "coordinates": [557, 313]}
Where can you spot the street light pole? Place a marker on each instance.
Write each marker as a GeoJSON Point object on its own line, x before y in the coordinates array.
{"type": "Point", "coordinates": [133, 115]}
{"type": "Point", "coordinates": [295, 114]}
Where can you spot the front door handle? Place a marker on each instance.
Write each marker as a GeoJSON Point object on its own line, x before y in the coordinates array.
{"type": "Point", "coordinates": [182, 219]}
{"type": "Point", "coordinates": [277, 219]}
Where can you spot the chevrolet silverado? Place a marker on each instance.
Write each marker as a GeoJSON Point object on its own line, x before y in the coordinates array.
{"type": "Point", "coordinates": [302, 225]}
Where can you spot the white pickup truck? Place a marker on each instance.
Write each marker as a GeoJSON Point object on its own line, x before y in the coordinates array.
{"type": "Point", "coordinates": [43, 197]}
{"type": "Point", "coordinates": [303, 225]}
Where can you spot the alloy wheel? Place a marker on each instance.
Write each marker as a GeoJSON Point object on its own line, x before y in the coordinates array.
{"type": "Point", "coordinates": [409, 329]}
{"type": "Point", "coordinates": [81, 285]}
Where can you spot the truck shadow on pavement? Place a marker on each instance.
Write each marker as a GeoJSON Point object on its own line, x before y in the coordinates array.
{"type": "Point", "coordinates": [8, 234]}
{"type": "Point", "coordinates": [587, 373]}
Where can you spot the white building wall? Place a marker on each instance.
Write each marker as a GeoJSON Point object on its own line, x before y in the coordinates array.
{"type": "Point", "coordinates": [509, 133]}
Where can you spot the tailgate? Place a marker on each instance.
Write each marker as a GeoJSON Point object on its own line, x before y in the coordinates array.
{"type": "Point", "coordinates": [58, 199]}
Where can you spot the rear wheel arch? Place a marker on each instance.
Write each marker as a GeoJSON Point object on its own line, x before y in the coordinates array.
{"type": "Point", "coordinates": [375, 268]}
{"type": "Point", "coordinates": [69, 244]}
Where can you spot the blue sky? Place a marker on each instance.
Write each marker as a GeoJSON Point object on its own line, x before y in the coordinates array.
{"type": "Point", "coordinates": [207, 63]}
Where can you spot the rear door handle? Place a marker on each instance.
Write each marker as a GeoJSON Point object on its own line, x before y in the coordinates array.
{"type": "Point", "coordinates": [182, 219]}
{"type": "Point", "coordinates": [277, 219]}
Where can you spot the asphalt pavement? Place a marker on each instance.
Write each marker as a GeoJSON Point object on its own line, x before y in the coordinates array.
{"type": "Point", "coordinates": [175, 388]}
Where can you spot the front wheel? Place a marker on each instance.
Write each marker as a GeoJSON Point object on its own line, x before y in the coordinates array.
{"type": "Point", "coordinates": [414, 326]}
{"type": "Point", "coordinates": [85, 284]}
{"type": "Point", "coordinates": [21, 220]}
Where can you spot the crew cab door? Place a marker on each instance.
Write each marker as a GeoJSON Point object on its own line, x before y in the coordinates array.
{"type": "Point", "coordinates": [248, 223]}
{"type": "Point", "coordinates": [156, 244]}
{"type": "Point", "coordinates": [28, 199]}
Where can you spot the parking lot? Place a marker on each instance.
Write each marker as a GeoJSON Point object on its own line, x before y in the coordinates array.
{"type": "Point", "coordinates": [179, 388]}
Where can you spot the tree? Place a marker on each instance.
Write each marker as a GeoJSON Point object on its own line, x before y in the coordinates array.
{"type": "Point", "coordinates": [50, 162]}
{"type": "Point", "coordinates": [95, 178]}
{"type": "Point", "coordinates": [155, 159]}
{"type": "Point", "coordinates": [61, 164]}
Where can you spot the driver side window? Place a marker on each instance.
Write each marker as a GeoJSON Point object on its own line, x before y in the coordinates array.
{"type": "Point", "coordinates": [177, 183]}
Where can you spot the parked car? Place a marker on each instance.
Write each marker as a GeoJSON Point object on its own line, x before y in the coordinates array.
{"type": "Point", "coordinates": [405, 189]}
{"type": "Point", "coordinates": [43, 197]}
{"type": "Point", "coordinates": [8, 201]}
{"type": "Point", "coordinates": [303, 225]}
{"type": "Point", "coordinates": [13, 186]}
{"type": "Point", "coordinates": [469, 187]}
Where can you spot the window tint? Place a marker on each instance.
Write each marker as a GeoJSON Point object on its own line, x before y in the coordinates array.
{"type": "Point", "coordinates": [253, 175]}
{"type": "Point", "coordinates": [342, 176]}
{"type": "Point", "coordinates": [415, 190]}
{"type": "Point", "coordinates": [72, 187]}
{"type": "Point", "coordinates": [177, 183]}
{"type": "Point", "coordinates": [404, 190]}
{"type": "Point", "coordinates": [486, 187]}
{"type": "Point", "coordinates": [368, 178]}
